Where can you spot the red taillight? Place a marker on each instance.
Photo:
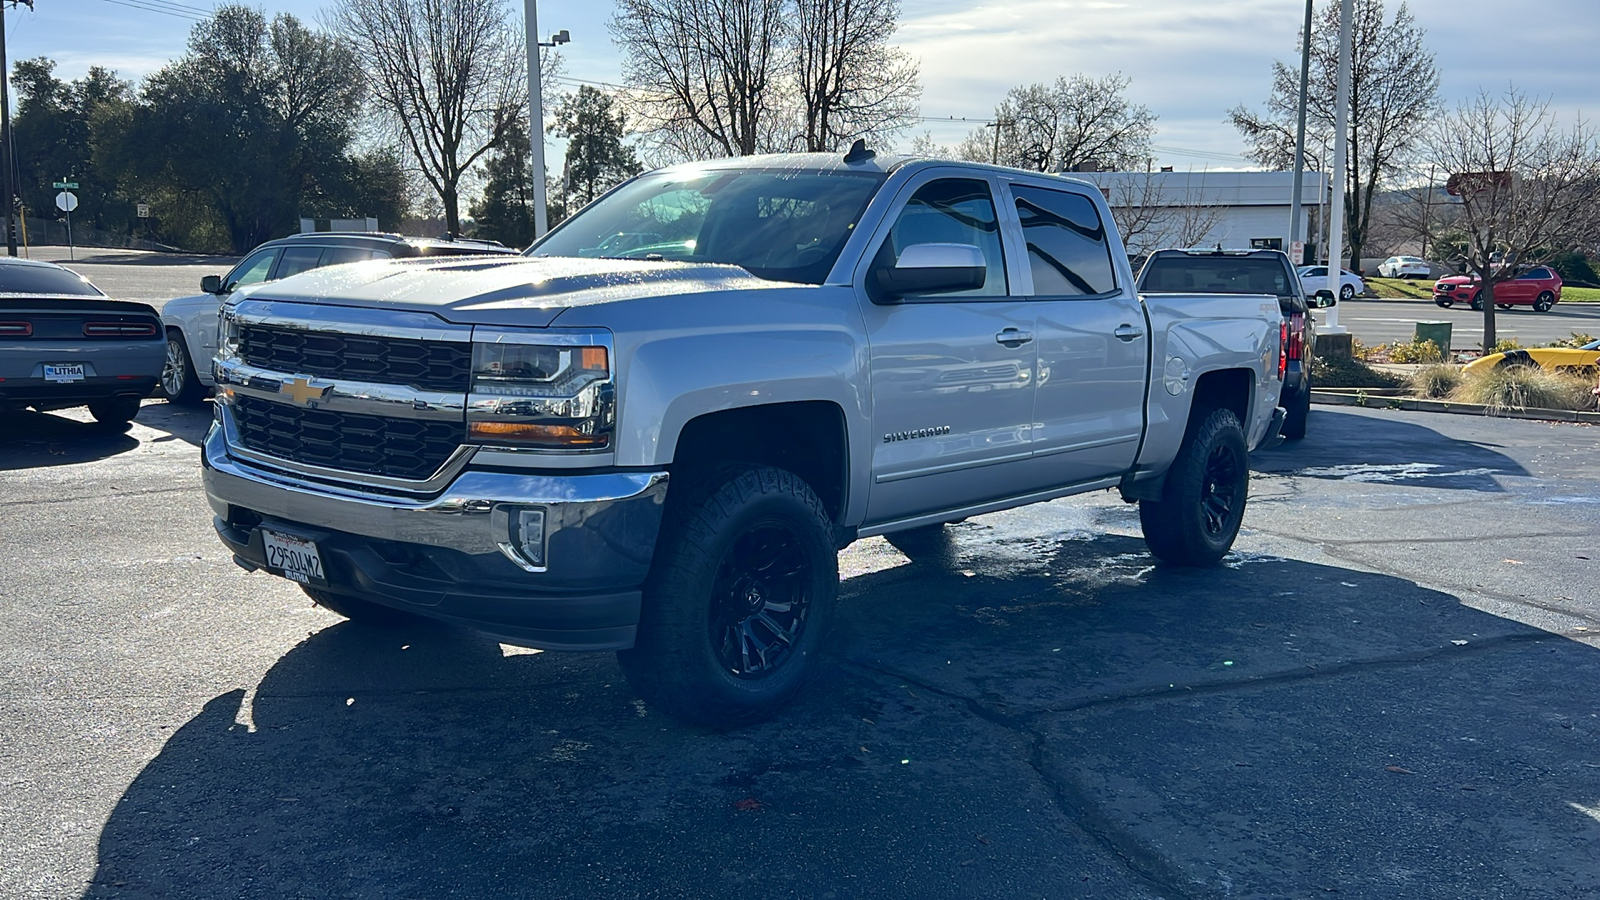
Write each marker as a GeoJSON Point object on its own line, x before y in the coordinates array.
{"type": "Point", "coordinates": [16, 329]}
{"type": "Point", "coordinates": [118, 329]}
{"type": "Point", "coordinates": [1297, 337]}
{"type": "Point", "coordinates": [1283, 349]}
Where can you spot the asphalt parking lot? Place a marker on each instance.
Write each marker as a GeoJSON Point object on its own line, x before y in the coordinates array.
{"type": "Point", "coordinates": [1389, 691]}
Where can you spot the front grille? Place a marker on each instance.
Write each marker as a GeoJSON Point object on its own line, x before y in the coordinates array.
{"type": "Point", "coordinates": [394, 448]}
{"type": "Point", "coordinates": [425, 365]}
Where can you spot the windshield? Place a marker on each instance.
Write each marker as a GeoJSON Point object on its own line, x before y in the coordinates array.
{"type": "Point", "coordinates": [1215, 275]}
{"type": "Point", "coordinates": [787, 226]}
{"type": "Point", "coordinates": [26, 279]}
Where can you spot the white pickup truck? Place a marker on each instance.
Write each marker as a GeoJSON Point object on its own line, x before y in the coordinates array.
{"type": "Point", "coordinates": [654, 432]}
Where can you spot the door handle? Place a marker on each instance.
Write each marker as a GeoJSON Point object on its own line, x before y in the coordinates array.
{"type": "Point", "coordinates": [1128, 332]}
{"type": "Point", "coordinates": [1011, 337]}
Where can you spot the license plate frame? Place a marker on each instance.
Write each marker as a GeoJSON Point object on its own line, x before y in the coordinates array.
{"type": "Point", "coordinates": [293, 557]}
{"type": "Point", "coordinates": [64, 373]}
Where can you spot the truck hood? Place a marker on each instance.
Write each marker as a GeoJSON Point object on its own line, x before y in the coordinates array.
{"type": "Point", "coordinates": [499, 291]}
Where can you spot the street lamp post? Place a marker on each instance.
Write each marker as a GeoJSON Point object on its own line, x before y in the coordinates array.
{"type": "Point", "coordinates": [1341, 131]}
{"type": "Point", "coordinates": [1295, 212]}
{"type": "Point", "coordinates": [541, 217]}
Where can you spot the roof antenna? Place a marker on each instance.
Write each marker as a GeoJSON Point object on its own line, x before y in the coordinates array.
{"type": "Point", "coordinates": [859, 152]}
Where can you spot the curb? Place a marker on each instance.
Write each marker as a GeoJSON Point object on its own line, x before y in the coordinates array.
{"type": "Point", "coordinates": [1380, 398]}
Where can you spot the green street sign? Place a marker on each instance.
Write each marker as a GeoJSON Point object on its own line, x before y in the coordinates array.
{"type": "Point", "coordinates": [64, 184]}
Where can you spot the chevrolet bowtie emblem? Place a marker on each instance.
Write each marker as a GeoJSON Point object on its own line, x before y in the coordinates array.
{"type": "Point", "coordinates": [301, 391]}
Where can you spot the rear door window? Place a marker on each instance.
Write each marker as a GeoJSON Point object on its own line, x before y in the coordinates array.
{"type": "Point", "coordinates": [298, 259]}
{"type": "Point", "coordinates": [334, 256]}
{"type": "Point", "coordinates": [1067, 248]}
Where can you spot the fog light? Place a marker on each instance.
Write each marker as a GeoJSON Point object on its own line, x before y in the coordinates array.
{"type": "Point", "coordinates": [523, 528]}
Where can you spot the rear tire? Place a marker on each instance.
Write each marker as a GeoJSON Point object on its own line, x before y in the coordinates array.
{"type": "Point", "coordinates": [1202, 502]}
{"type": "Point", "coordinates": [1544, 302]}
{"type": "Point", "coordinates": [178, 380]}
{"type": "Point", "coordinates": [1347, 292]}
{"type": "Point", "coordinates": [739, 598]}
{"type": "Point", "coordinates": [114, 412]}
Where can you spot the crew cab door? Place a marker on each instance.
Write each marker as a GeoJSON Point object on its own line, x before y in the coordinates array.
{"type": "Point", "coordinates": [1093, 341]}
{"type": "Point", "coordinates": [951, 373]}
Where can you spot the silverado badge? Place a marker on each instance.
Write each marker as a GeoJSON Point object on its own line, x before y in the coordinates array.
{"type": "Point", "coordinates": [302, 392]}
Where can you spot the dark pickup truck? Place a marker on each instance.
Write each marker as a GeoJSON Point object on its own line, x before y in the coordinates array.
{"type": "Point", "coordinates": [1251, 272]}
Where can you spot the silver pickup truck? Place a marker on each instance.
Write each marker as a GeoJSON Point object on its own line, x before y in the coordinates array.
{"type": "Point", "coordinates": [654, 432]}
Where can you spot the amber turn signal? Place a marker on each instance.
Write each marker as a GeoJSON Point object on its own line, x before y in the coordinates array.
{"type": "Point", "coordinates": [543, 435]}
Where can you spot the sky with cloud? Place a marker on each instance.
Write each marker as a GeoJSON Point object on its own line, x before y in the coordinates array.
{"type": "Point", "coordinates": [1189, 60]}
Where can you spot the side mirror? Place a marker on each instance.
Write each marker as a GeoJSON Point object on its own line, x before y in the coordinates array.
{"type": "Point", "coordinates": [211, 284]}
{"type": "Point", "coordinates": [933, 269]}
{"type": "Point", "coordinates": [1323, 299]}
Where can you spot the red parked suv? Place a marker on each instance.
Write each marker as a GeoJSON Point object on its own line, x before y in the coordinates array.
{"type": "Point", "coordinates": [1538, 287]}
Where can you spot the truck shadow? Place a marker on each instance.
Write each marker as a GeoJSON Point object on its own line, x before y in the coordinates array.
{"type": "Point", "coordinates": [999, 715]}
{"type": "Point", "coordinates": [1345, 446]}
{"type": "Point", "coordinates": [30, 440]}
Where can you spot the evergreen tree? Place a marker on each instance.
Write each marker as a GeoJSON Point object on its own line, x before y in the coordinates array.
{"type": "Point", "coordinates": [506, 211]}
{"type": "Point", "coordinates": [597, 159]}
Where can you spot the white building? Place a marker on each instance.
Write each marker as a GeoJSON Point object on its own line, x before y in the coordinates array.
{"type": "Point", "coordinates": [1238, 210]}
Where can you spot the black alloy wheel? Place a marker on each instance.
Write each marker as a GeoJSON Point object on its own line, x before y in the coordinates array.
{"type": "Point", "coordinates": [760, 600]}
{"type": "Point", "coordinates": [1544, 302]}
{"type": "Point", "coordinates": [1477, 301]}
{"type": "Point", "coordinates": [739, 599]}
{"type": "Point", "coordinates": [1219, 493]}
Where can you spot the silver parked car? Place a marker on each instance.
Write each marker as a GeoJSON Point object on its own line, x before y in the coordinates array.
{"type": "Point", "coordinates": [63, 343]}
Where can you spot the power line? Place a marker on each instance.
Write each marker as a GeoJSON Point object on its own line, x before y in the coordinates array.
{"type": "Point", "coordinates": [147, 6]}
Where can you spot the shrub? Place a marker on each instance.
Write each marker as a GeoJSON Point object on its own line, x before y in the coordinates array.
{"type": "Point", "coordinates": [1362, 351]}
{"type": "Point", "coordinates": [1504, 345]}
{"type": "Point", "coordinates": [1573, 266]}
{"type": "Point", "coordinates": [1349, 373]}
{"type": "Point", "coordinates": [1435, 381]}
{"type": "Point", "coordinates": [1415, 352]}
{"type": "Point", "coordinates": [1525, 387]}
{"type": "Point", "coordinates": [1577, 340]}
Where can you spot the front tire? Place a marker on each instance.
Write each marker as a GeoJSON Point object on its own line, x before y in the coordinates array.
{"type": "Point", "coordinates": [114, 412]}
{"type": "Point", "coordinates": [1544, 302]}
{"type": "Point", "coordinates": [1477, 302]}
{"type": "Point", "coordinates": [739, 599]}
{"type": "Point", "coordinates": [178, 380]}
{"type": "Point", "coordinates": [1202, 502]}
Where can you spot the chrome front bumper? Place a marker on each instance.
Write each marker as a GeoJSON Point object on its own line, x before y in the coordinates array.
{"type": "Point", "coordinates": [442, 555]}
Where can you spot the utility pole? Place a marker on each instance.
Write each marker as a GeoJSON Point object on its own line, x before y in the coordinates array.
{"type": "Point", "coordinates": [1341, 131]}
{"type": "Point", "coordinates": [541, 216]}
{"type": "Point", "coordinates": [1295, 212]}
{"type": "Point", "coordinates": [6, 155]}
{"type": "Point", "coordinates": [997, 124]}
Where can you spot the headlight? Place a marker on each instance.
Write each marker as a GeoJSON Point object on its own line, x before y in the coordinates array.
{"type": "Point", "coordinates": [551, 391]}
{"type": "Point", "coordinates": [227, 332]}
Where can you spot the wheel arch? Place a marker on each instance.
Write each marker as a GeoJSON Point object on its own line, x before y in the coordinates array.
{"type": "Point", "coordinates": [807, 437]}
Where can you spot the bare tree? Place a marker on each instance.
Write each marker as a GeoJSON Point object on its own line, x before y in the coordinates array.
{"type": "Point", "coordinates": [851, 82]}
{"type": "Point", "coordinates": [447, 78]}
{"type": "Point", "coordinates": [707, 72]}
{"type": "Point", "coordinates": [1150, 217]}
{"type": "Point", "coordinates": [1529, 189]}
{"type": "Point", "coordinates": [1054, 127]}
{"type": "Point", "coordinates": [1394, 88]}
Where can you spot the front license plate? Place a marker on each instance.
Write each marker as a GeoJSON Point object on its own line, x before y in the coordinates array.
{"type": "Point", "coordinates": [295, 557]}
{"type": "Point", "coordinates": [64, 374]}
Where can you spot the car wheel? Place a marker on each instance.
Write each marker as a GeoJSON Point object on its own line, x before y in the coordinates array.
{"type": "Point", "coordinates": [739, 598]}
{"type": "Point", "coordinates": [1294, 420]}
{"type": "Point", "coordinates": [1502, 306]}
{"type": "Point", "coordinates": [114, 412]}
{"type": "Point", "coordinates": [1544, 302]}
{"type": "Point", "coordinates": [178, 380]}
{"type": "Point", "coordinates": [1347, 292]}
{"type": "Point", "coordinates": [1477, 302]}
{"type": "Point", "coordinates": [1202, 502]}
{"type": "Point", "coordinates": [361, 611]}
